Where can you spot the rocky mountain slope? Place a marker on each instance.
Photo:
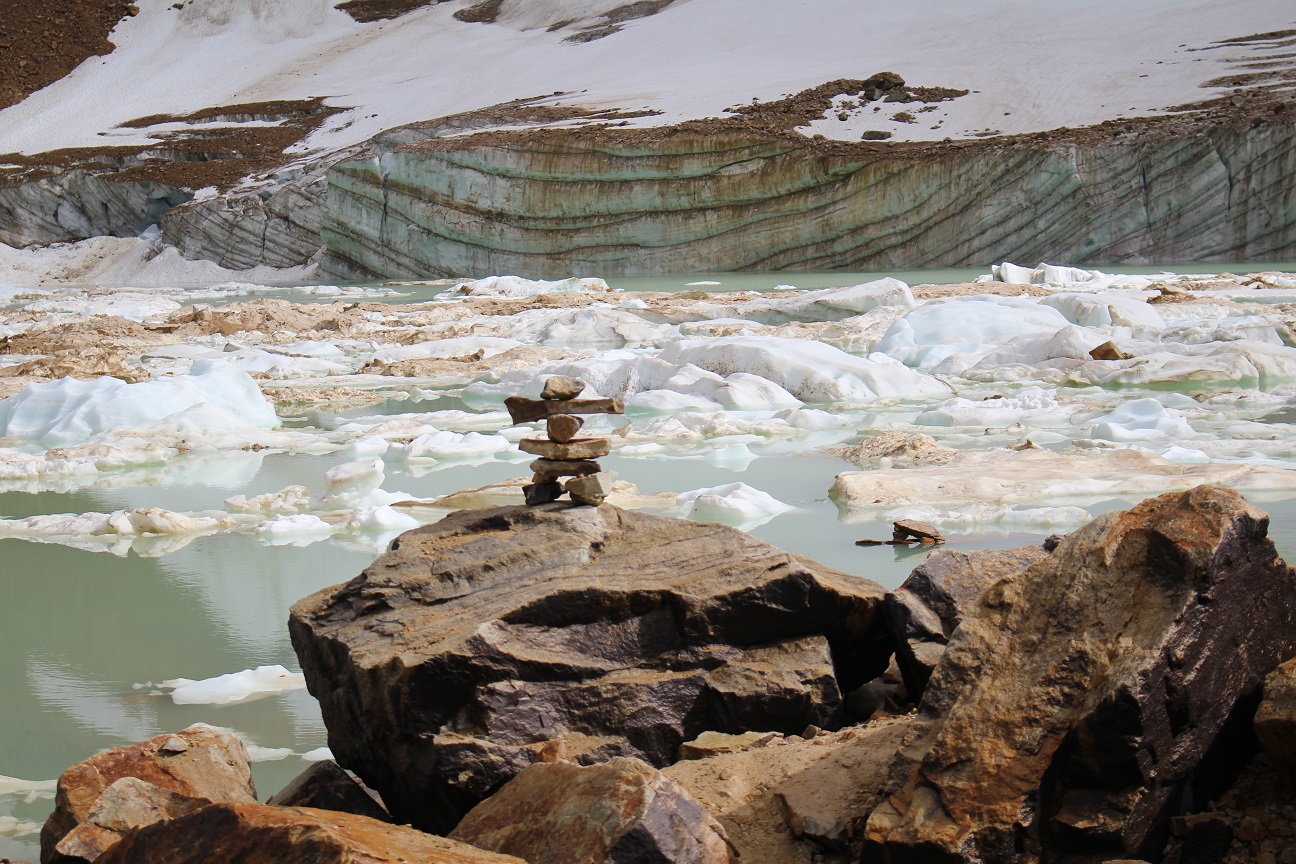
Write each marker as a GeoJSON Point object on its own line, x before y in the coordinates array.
{"type": "Point", "coordinates": [225, 119]}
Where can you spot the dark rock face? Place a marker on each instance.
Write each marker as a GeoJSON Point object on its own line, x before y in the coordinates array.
{"type": "Point", "coordinates": [199, 764]}
{"type": "Point", "coordinates": [926, 609]}
{"type": "Point", "coordinates": [261, 834]}
{"type": "Point", "coordinates": [325, 786]}
{"type": "Point", "coordinates": [1275, 719]}
{"type": "Point", "coordinates": [501, 637]}
{"type": "Point", "coordinates": [1075, 702]}
{"type": "Point", "coordinates": [621, 812]}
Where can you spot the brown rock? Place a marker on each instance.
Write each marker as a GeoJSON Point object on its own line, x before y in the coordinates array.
{"type": "Point", "coordinates": [559, 388]}
{"type": "Point", "coordinates": [579, 448]}
{"type": "Point", "coordinates": [1109, 351]}
{"type": "Point", "coordinates": [1275, 719]}
{"type": "Point", "coordinates": [448, 664]}
{"type": "Point", "coordinates": [1076, 702]}
{"type": "Point", "coordinates": [200, 762]}
{"type": "Point", "coordinates": [262, 834]}
{"type": "Point", "coordinates": [126, 805]}
{"type": "Point", "coordinates": [927, 608]}
{"type": "Point", "coordinates": [325, 786]}
{"type": "Point", "coordinates": [548, 470]}
{"type": "Point", "coordinates": [591, 489]}
{"type": "Point", "coordinates": [563, 427]}
{"type": "Point", "coordinates": [710, 744]}
{"type": "Point", "coordinates": [621, 812]}
{"type": "Point", "coordinates": [523, 410]}
{"type": "Point", "coordinates": [912, 529]}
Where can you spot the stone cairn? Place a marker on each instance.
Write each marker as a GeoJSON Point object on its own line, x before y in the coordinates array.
{"type": "Point", "coordinates": [562, 454]}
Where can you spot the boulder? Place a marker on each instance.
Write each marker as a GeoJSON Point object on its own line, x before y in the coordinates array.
{"type": "Point", "coordinates": [1078, 705]}
{"type": "Point", "coordinates": [457, 658]}
{"type": "Point", "coordinates": [325, 786]}
{"type": "Point", "coordinates": [200, 762]}
{"type": "Point", "coordinates": [620, 812]}
{"type": "Point", "coordinates": [262, 834]}
{"type": "Point", "coordinates": [1275, 719]}
{"type": "Point", "coordinates": [789, 799]}
{"type": "Point", "coordinates": [126, 805]}
{"type": "Point", "coordinates": [927, 608]}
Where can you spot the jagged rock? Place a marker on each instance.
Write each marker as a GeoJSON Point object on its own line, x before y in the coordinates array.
{"type": "Point", "coordinates": [772, 798]}
{"type": "Point", "coordinates": [1075, 706]}
{"type": "Point", "coordinates": [912, 529]}
{"type": "Point", "coordinates": [592, 489]}
{"type": "Point", "coordinates": [213, 766]}
{"type": "Point", "coordinates": [126, 805]}
{"type": "Point", "coordinates": [262, 834]}
{"type": "Point", "coordinates": [563, 427]}
{"type": "Point", "coordinates": [1275, 719]}
{"type": "Point", "coordinates": [621, 812]}
{"type": "Point", "coordinates": [714, 743]}
{"type": "Point", "coordinates": [560, 388]}
{"type": "Point", "coordinates": [579, 448]}
{"type": "Point", "coordinates": [455, 659]}
{"type": "Point", "coordinates": [927, 608]}
{"type": "Point", "coordinates": [325, 786]}
{"type": "Point", "coordinates": [1109, 351]}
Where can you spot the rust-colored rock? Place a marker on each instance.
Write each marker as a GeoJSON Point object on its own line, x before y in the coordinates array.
{"type": "Point", "coordinates": [621, 812]}
{"type": "Point", "coordinates": [325, 786]}
{"type": "Point", "coordinates": [200, 762]}
{"type": "Point", "coordinates": [563, 427]}
{"type": "Point", "coordinates": [1109, 351]}
{"type": "Point", "coordinates": [262, 834]}
{"type": "Point", "coordinates": [456, 659]}
{"type": "Point", "coordinates": [1275, 719]}
{"type": "Point", "coordinates": [1075, 704]}
{"type": "Point", "coordinates": [126, 805]}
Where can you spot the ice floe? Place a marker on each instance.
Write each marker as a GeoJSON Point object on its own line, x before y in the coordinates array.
{"type": "Point", "coordinates": [235, 687]}
{"type": "Point", "coordinates": [734, 504]}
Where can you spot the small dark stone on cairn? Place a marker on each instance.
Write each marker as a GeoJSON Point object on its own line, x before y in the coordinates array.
{"type": "Point", "coordinates": [563, 427]}
{"type": "Point", "coordinates": [541, 493]}
{"type": "Point", "coordinates": [560, 387]}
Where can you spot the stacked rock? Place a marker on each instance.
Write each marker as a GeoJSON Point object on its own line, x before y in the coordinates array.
{"type": "Point", "coordinates": [562, 454]}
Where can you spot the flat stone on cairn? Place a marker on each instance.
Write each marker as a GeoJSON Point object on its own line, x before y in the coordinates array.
{"type": "Point", "coordinates": [561, 453]}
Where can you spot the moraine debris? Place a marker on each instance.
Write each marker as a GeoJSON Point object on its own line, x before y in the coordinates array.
{"type": "Point", "coordinates": [907, 531]}
{"type": "Point", "coordinates": [561, 453]}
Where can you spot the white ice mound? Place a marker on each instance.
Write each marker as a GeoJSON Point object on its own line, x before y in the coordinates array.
{"type": "Point", "coordinates": [829, 304]}
{"type": "Point", "coordinates": [810, 371]}
{"type": "Point", "coordinates": [1141, 420]}
{"type": "Point", "coordinates": [516, 286]}
{"type": "Point", "coordinates": [298, 529]}
{"type": "Point", "coordinates": [1034, 406]}
{"type": "Point", "coordinates": [596, 326]}
{"type": "Point", "coordinates": [929, 334]}
{"type": "Point", "coordinates": [460, 346]}
{"type": "Point", "coordinates": [1106, 310]}
{"type": "Point", "coordinates": [455, 445]}
{"type": "Point", "coordinates": [734, 504]}
{"type": "Point", "coordinates": [235, 687]}
{"type": "Point", "coordinates": [68, 411]}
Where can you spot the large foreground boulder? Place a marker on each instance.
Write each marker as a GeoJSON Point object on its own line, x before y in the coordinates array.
{"type": "Point", "coordinates": [263, 834]}
{"type": "Point", "coordinates": [116, 791]}
{"type": "Point", "coordinates": [500, 637]}
{"type": "Point", "coordinates": [1076, 707]}
{"type": "Point", "coordinates": [620, 812]}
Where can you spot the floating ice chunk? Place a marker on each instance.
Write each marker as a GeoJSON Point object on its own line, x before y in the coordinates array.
{"type": "Point", "coordinates": [370, 447]}
{"type": "Point", "coordinates": [293, 499]}
{"type": "Point", "coordinates": [319, 754]}
{"type": "Point", "coordinates": [516, 286]}
{"type": "Point", "coordinates": [734, 504]}
{"type": "Point", "coordinates": [380, 521]}
{"type": "Point", "coordinates": [353, 480]}
{"type": "Point", "coordinates": [1185, 456]}
{"type": "Point", "coordinates": [703, 282]}
{"type": "Point", "coordinates": [927, 335]}
{"type": "Point", "coordinates": [735, 457]}
{"type": "Point", "coordinates": [70, 411]}
{"type": "Point", "coordinates": [299, 529]}
{"type": "Point", "coordinates": [1031, 406]}
{"type": "Point", "coordinates": [235, 687]}
{"type": "Point", "coordinates": [593, 326]}
{"type": "Point", "coordinates": [463, 346]}
{"type": "Point", "coordinates": [810, 418]}
{"type": "Point", "coordinates": [1106, 310]}
{"type": "Point", "coordinates": [810, 371]}
{"type": "Point", "coordinates": [455, 445]}
{"type": "Point", "coordinates": [1044, 274]}
{"type": "Point", "coordinates": [1141, 420]}
{"type": "Point", "coordinates": [28, 791]}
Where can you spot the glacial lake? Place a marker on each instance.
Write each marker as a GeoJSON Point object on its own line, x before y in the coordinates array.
{"type": "Point", "coordinates": [85, 636]}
